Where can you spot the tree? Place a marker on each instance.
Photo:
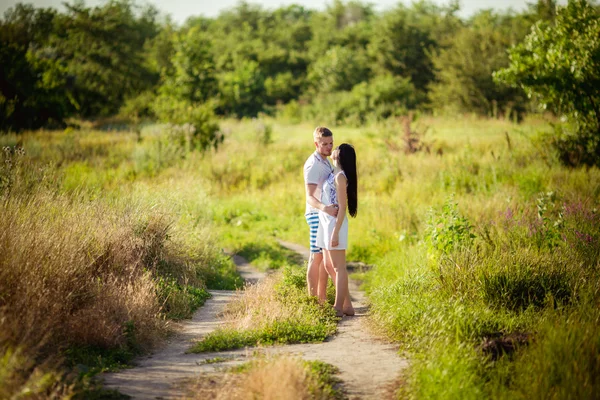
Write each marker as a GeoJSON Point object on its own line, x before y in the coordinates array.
{"type": "Point", "coordinates": [192, 76]}
{"type": "Point", "coordinates": [464, 81]}
{"type": "Point", "coordinates": [33, 78]}
{"type": "Point", "coordinates": [104, 49]}
{"type": "Point", "coordinates": [339, 68]}
{"type": "Point", "coordinates": [187, 92]}
{"type": "Point", "coordinates": [242, 90]}
{"type": "Point", "coordinates": [400, 45]}
{"type": "Point", "coordinates": [558, 65]}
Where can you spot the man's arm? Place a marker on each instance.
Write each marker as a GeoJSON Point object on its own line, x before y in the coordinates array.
{"type": "Point", "coordinates": [311, 188]}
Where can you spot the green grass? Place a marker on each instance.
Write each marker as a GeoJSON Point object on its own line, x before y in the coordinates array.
{"type": "Point", "coordinates": [519, 247]}
{"type": "Point", "coordinates": [180, 301]}
{"type": "Point", "coordinates": [284, 332]}
{"type": "Point", "coordinates": [216, 360]}
{"type": "Point", "coordinates": [327, 381]}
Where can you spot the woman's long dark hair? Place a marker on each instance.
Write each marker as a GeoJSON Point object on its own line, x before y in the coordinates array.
{"type": "Point", "coordinates": [347, 158]}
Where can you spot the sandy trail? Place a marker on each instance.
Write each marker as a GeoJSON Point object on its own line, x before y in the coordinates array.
{"type": "Point", "coordinates": [369, 368]}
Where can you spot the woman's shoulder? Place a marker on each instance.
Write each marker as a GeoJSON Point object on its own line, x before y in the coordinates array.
{"type": "Point", "coordinates": [340, 177]}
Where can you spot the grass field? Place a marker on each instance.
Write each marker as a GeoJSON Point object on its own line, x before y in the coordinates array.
{"type": "Point", "coordinates": [484, 249]}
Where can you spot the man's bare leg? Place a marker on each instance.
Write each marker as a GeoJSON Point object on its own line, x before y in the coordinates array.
{"type": "Point", "coordinates": [312, 273]}
{"type": "Point", "coordinates": [323, 276]}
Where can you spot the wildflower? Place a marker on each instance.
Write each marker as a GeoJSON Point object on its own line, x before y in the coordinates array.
{"type": "Point", "coordinates": [584, 237]}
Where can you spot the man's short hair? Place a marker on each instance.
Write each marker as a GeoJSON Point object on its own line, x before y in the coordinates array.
{"type": "Point", "coordinates": [320, 132]}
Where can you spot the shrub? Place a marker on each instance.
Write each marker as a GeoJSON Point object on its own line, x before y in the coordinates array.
{"type": "Point", "coordinates": [193, 125]}
{"type": "Point", "coordinates": [448, 230]}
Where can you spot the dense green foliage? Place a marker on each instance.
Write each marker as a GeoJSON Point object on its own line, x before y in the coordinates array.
{"type": "Point", "coordinates": [559, 64]}
{"type": "Point", "coordinates": [347, 63]}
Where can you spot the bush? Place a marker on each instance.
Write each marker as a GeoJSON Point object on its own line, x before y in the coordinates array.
{"type": "Point", "coordinates": [449, 230]}
{"type": "Point", "coordinates": [140, 106]}
{"type": "Point", "coordinates": [193, 125]}
{"type": "Point", "coordinates": [383, 97]}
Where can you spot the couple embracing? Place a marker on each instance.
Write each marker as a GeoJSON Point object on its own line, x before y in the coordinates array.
{"type": "Point", "coordinates": [331, 192]}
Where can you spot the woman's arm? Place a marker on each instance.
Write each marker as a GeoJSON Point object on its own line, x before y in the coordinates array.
{"type": "Point", "coordinates": [342, 195]}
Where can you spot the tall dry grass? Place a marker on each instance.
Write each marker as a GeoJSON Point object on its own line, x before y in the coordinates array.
{"type": "Point", "coordinates": [81, 277]}
{"type": "Point", "coordinates": [76, 273]}
{"type": "Point", "coordinates": [260, 304]}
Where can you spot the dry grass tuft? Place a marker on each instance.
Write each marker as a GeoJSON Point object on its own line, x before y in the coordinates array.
{"type": "Point", "coordinates": [264, 303]}
{"type": "Point", "coordinates": [256, 306]}
{"type": "Point", "coordinates": [268, 379]}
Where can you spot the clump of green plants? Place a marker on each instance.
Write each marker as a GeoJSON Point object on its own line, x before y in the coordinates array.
{"type": "Point", "coordinates": [275, 311]}
{"type": "Point", "coordinates": [448, 230]}
{"type": "Point", "coordinates": [180, 301]}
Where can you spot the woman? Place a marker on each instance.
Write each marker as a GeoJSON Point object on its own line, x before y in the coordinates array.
{"type": "Point", "coordinates": [339, 188]}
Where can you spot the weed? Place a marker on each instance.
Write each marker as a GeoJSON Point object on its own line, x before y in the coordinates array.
{"type": "Point", "coordinates": [448, 230]}
{"type": "Point", "coordinates": [179, 301]}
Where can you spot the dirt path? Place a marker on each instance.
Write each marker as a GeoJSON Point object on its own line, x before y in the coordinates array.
{"type": "Point", "coordinates": [163, 374]}
{"type": "Point", "coordinates": [368, 367]}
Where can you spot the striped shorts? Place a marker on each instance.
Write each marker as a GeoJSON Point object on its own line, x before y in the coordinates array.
{"type": "Point", "coordinates": [313, 222]}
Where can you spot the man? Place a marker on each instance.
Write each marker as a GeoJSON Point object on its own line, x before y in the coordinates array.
{"type": "Point", "coordinates": [316, 170]}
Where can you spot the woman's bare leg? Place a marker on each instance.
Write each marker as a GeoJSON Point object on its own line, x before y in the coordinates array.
{"type": "Point", "coordinates": [342, 294]}
{"type": "Point", "coordinates": [327, 272]}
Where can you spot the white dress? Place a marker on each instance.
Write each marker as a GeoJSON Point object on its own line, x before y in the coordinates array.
{"type": "Point", "coordinates": [327, 222]}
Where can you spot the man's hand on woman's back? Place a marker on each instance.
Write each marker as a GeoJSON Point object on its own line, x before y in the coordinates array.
{"type": "Point", "coordinates": [331, 209]}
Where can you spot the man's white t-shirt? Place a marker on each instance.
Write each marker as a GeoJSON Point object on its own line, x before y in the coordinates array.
{"type": "Point", "coordinates": [316, 171]}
